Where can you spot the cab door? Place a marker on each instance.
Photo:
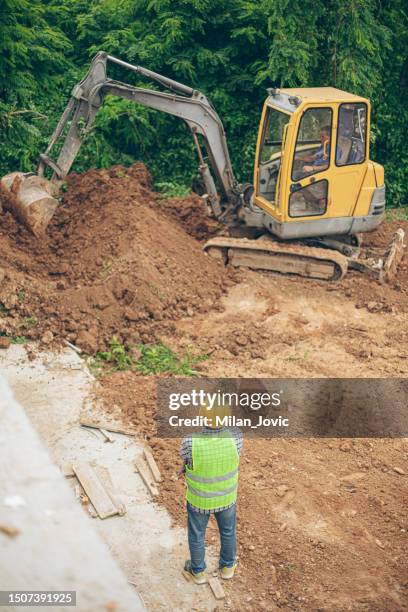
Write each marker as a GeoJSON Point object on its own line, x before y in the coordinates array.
{"type": "Point", "coordinates": [270, 160]}
{"type": "Point", "coordinates": [350, 158]}
{"type": "Point", "coordinates": [311, 172]}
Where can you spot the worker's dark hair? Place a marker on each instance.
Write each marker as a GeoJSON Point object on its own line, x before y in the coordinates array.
{"type": "Point", "coordinates": [326, 128]}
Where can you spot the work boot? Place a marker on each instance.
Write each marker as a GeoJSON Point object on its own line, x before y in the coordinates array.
{"type": "Point", "coordinates": [188, 573]}
{"type": "Point", "coordinates": [228, 572]}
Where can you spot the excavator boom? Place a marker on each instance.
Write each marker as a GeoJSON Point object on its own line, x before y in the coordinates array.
{"type": "Point", "coordinates": [33, 198]}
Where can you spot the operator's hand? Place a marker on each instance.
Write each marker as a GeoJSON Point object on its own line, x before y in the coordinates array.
{"type": "Point", "coordinates": [308, 168]}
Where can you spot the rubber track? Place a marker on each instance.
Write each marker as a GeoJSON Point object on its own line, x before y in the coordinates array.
{"type": "Point", "coordinates": [271, 246]}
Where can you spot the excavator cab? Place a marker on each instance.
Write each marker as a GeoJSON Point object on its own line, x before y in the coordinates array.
{"type": "Point", "coordinates": [313, 175]}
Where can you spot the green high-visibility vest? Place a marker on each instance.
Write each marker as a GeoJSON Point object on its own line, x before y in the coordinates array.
{"type": "Point", "coordinates": [213, 481]}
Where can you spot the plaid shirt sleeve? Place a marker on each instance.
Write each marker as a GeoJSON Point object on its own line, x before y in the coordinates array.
{"type": "Point", "coordinates": [239, 439]}
{"type": "Point", "coordinates": [186, 451]}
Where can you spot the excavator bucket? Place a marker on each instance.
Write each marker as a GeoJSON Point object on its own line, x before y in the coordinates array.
{"type": "Point", "coordinates": [31, 199]}
{"type": "Point", "coordinates": [381, 265]}
{"type": "Point", "coordinates": [393, 256]}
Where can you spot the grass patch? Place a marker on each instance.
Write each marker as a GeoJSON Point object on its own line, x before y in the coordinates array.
{"type": "Point", "coordinates": [154, 359]}
{"type": "Point", "coordinates": [19, 340]}
{"type": "Point", "coordinates": [28, 323]}
{"type": "Point", "coordinates": [117, 355]}
{"type": "Point", "coordinates": [106, 269]}
{"type": "Point", "coordinates": [397, 214]}
{"type": "Point", "coordinates": [16, 339]}
{"type": "Point", "coordinates": [303, 357]}
{"type": "Point", "coordinates": [160, 358]}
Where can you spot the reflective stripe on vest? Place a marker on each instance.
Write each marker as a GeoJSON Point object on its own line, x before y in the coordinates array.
{"type": "Point", "coordinates": [212, 493]}
{"type": "Point", "coordinates": [213, 480]}
{"type": "Point", "coordinates": [196, 478]}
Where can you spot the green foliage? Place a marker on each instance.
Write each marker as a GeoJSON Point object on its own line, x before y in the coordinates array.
{"type": "Point", "coordinates": [230, 49]}
{"type": "Point", "coordinates": [28, 322]}
{"type": "Point", "coordinates": [16, 339]}
{"type": "Point", "coordinates": [19, 340]}
{"type": "Point", "coordinates": [397, 214]}
{"type": "Point", "coordinates": [173, 190]}
{"type": "Point", "coordinates": [154, 359]}
{"type": "Point", "coordinates": [160, 358]}
{"type": "Point", "coordinates": [117, 355]}
{"type": "Point", "coordinates": [32, 66]}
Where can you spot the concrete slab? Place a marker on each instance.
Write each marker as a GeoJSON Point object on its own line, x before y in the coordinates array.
{"type": "Point", "coordinates": [151, 552]}
{"type": "Point", "coordinates": [55, 548]}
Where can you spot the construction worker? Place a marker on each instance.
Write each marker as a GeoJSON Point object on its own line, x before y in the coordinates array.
{"type": "Point", "coordinates": [211, 461]}
{"type": "Point", "coordinates": [321, 158]}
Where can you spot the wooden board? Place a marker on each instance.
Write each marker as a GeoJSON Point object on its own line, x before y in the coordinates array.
{"type": "Point", "coordinates": [146, 476]}
{"type": "Point", "coordinates": [105, 479]}
{"type": "Point", "coordinates": [217, 588]}
{"type": "Point", "coordinates": [95, 423]}
{"type": "Point", "coordinates": [152, 465]}
{"type": "Point", "coordinates": [67, 470]}
{"type": "Point", "coordinates": [106, 435]}
{"type": "Point", "coordinates": [94, 490]}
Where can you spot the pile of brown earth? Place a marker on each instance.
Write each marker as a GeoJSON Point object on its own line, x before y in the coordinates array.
{"type": "Point", "coordinates": [116, 261]}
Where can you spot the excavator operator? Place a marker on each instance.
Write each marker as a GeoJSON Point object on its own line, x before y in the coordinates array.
{"type": "Point", "coordinates": [320, 159]}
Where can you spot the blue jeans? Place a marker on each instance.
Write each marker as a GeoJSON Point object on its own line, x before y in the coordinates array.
{"type": "Point", "coordinates": [197, 525]}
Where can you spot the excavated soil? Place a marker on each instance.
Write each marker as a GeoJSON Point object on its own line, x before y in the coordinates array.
{"type": "Point", "coordinates": [114, 262]}
{"type": "Point", "coordinates": [192, 215]}
{"type": "Point", "coordinates": [322, 523]}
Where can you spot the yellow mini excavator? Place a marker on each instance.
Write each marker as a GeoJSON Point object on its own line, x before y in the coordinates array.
{"type": "Point", "coordinates": [315, 190]}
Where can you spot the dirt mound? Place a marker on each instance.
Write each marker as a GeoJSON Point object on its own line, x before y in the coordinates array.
{"type": "Point", "coordinates": [192, 214]}
{"type": "Point", "coordinates": [113, 263]}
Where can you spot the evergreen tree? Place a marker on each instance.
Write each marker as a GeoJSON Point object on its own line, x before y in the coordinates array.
{"type": "Point", "coordinates": [230, 49]}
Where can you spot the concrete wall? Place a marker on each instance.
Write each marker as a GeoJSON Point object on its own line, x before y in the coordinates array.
{"type": "Point", "coordinates": [57, 547]}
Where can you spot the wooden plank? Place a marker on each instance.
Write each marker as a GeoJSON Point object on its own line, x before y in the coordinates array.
{"type": "Point", "coordinates": [67, 470]}
{"type": "Point", "coordinates": [105, 479]}
{"type": "Point", "coordinates": [145, 475]}
{"type": "Point", "coordinates": [94, 490]}
{"type": "Point", "coordinates": [9, 530]}
{"type": "Point", "coordinates": [217, 588]}
{"type": "Point", "coordinates": [106, 435]}
{"type": "Point", "coordinates": [114, 427]}
{"type": "Point", "coordinates": [152, 465]}
{"type": "Point", "coordinates": [280, 263]}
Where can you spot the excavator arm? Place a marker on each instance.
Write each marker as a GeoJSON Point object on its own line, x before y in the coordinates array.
{"type": "Point", "coordinates": [33, 195]}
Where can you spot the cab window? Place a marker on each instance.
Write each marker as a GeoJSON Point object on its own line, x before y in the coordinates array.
{"type": "Point", "coordinates": [310, 200]}
{"type": "Point", "coordinates": [351, 134]}
{"type": "Point", "coordinates": [271, 150]}
{"type": "Point", "coordinates": [312, 151]}
{"type": "Point", "coordinates": [275, 122]}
